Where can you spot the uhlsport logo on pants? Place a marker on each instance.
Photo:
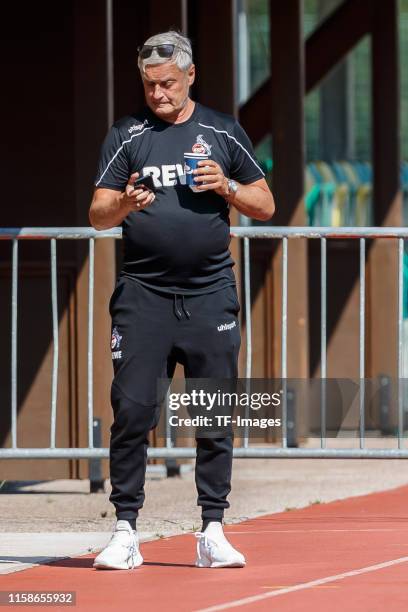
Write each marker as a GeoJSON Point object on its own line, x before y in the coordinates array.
{"type": "Point", "coordinates": [226, 326]}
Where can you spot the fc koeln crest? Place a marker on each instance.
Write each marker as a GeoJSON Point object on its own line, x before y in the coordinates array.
{"type": "Point", "coordinates": [201, 146]}
{"type": "Point", "coordinates": [116, 339]}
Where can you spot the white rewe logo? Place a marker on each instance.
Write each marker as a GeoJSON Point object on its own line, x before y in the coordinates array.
{"type": "Point", "coordinates": [137, 128]}
{"type": "Point", "coordinates": [226, 326]}
{"type": "Point", "coordinates": [167, 175]}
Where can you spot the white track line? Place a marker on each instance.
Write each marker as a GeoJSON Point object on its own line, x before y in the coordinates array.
{"type": "Point", "coordinates": [302, 586]}
{"type": "Point", "coordinates": [311, 531]}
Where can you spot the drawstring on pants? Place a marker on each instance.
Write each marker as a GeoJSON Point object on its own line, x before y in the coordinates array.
{"type": "Point", "coordinates": [186, 312]}
{"type": "Point", "coordinates": [177, 311]}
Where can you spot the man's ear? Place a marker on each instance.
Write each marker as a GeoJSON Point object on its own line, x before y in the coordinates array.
{"type": "Point", "coordinates": [191, 75]}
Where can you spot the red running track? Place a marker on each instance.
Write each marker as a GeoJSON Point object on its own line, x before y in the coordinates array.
{"type": "Point", "coordinates": [351, 554]}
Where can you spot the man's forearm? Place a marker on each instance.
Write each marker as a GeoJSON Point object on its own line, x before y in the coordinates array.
{"type": "Point", "coordinates": [253, 201]}
{"type": "Point", "coordinates": [107, 210]}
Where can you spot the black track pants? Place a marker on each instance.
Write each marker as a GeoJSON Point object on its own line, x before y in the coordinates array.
{"type": "Point", "coordinates": [151, 332]}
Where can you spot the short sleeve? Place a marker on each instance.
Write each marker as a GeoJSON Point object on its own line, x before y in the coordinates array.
{"type": "Point", "coordinates": [245, 167]}
{"type": "Point", "coordinates": [113, 168]}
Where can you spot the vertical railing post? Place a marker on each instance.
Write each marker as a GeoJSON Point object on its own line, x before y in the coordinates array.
{"type": "Point", "coordinates": [96, 480]}
{"type": "Point", "coordinates": [91, 278]}
{"type": "Point", "coordinates": [248, 313]}
{"type": "Point", "coordinates": [400, 340]}
{"type": "Point", "coordinates": [172, 467]}
{"type": "Point", "coordinates": [14, 306]}
{"type": "Point", "coordinates": [284, 340]}
{"type": "Point", "coordinates": [248, 337]}
{"type": "Point", "coordinates": [362, 341]}
{"type": "Point", "coordinates": [323, 340]}
{"type": "Point", "coordinates": [55, 335]}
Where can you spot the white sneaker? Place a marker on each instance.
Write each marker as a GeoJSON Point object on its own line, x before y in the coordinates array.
{"type": "Point", "coordinates": [122, 552]}
{"type": "Point", "coordinates": [214, 550]}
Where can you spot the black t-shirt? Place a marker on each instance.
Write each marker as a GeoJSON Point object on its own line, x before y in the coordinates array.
{"type": "Point", "coordinates": [180, 243]}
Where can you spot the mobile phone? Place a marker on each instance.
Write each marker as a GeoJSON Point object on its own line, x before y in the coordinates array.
{"type": "Point", "coordinates": [145, 181]}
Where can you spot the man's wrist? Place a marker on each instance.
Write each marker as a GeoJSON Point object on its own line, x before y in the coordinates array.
{"type": "Point", "coordinates": [124, 203]}
{"type": "Point", "coordinates": [231, 189]}
{"type": "Point", "coordinates": [223, 191]}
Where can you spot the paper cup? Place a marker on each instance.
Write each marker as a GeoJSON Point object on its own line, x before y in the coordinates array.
{"type": "Point", "coordinates": [190, 164]}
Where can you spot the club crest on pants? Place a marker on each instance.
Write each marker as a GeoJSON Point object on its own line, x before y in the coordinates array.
{"type": "Point", "coordinates": [115, 344]}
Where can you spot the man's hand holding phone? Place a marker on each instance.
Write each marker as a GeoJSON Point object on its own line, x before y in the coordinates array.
{"type": "Point", "coordinates": [137, 195]}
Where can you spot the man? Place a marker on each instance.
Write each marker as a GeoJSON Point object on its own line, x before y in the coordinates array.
{"type": "Point", "coordinates": [177, 287]}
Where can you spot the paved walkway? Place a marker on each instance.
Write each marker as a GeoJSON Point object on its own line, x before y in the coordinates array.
{"type": "Point", "coordinates": [259, 486]}
{"type": "Point", "coordinates": [19, 551]}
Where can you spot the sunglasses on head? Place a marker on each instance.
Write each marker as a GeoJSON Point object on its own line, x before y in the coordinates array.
{"type": "Point", "coordinates": [165, 50]}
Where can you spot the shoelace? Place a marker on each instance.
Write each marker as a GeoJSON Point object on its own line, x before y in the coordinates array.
{"type": "Point", "coordinates": [132, 555]}
{"type": "Point", "coordinates": [204, 539]}
{"type": "Point", "coordinates": [131, 549]}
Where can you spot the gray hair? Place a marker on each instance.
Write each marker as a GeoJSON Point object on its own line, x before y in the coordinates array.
{"type": "Point", "coordinates": [182, 56]}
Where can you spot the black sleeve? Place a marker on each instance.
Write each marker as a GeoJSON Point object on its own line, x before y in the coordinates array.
{"type": "Point", "coordinates": [244, 166]}
{"type": "Point", "coordinates": [113, 168]}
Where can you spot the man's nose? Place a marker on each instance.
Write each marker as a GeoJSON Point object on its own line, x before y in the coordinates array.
{"type": "Point", "coordinates": [157, 92]}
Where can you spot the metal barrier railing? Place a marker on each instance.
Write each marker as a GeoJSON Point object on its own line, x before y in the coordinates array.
{"type": "Point", "coordinates": [245, 233]}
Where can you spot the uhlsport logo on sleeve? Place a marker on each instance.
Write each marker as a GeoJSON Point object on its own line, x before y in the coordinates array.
{"type": "Point", "coordinates": [115, 344]}
{"type": "Point", "coordinates": [137, 127]}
